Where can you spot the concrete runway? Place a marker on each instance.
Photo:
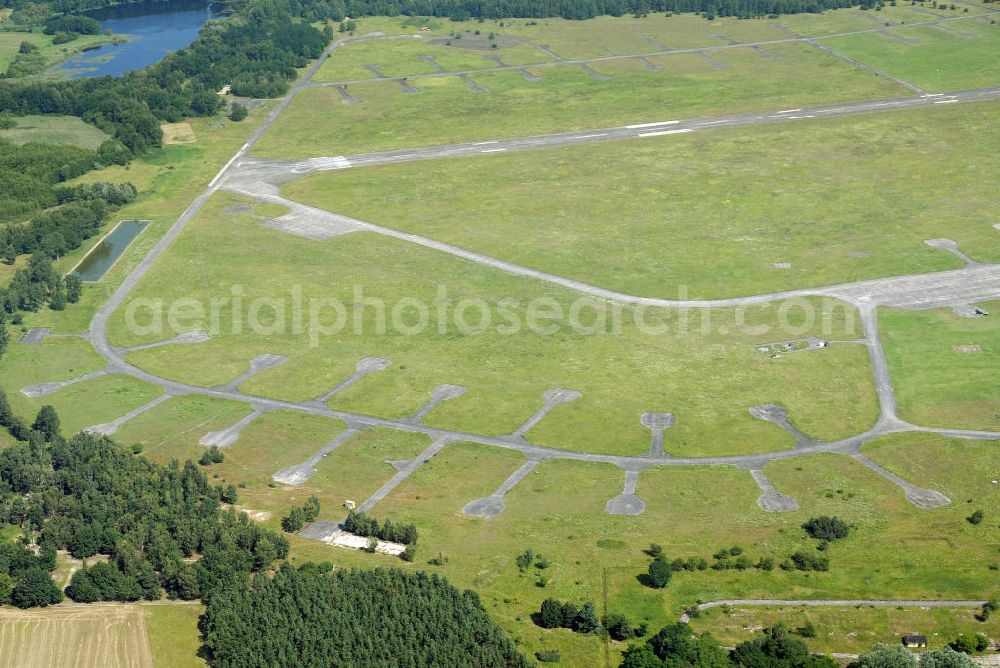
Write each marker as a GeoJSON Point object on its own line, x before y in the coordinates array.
{"type": "Point", "coordinates": [275, 172]}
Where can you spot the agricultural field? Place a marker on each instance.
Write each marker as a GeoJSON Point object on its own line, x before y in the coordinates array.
{"type": "Point", "coordinates": [105, 635]}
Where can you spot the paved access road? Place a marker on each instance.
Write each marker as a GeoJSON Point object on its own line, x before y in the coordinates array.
{"type": "Point", "coordinates": [833, 603]}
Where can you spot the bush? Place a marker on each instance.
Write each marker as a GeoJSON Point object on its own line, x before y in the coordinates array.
{"type": "Point", "coordinates": [968, 644]}
{"type": "Point", "coordinates": [975, 518]}
{"type": "Point", "coordinates": [806, 561]}
{"type": "Point", "coordinates": [659, 574]}
{"type": "Point", "coordinates": [212, 456]}
{"type": "Point", "coordinates": [238, 112]}
{"type": "Point", "coordinates": [548, 656]}
{"type": "Point", "coordinates": [827, 528]}
{"type": "Point", "coordinates": [618, 626]}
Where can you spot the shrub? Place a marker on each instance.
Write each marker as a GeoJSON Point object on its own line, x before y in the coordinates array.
{"type": "Point", "coordinates": [659, 574]}
{"type": "Point", "coordinates": [212, 456]}
{"type": "Point", "coordinates": [975, 518]}
{"type": "Point", "coordinates": [238, 112]}
{"type": "Point", "coordinates": [806, 561]}
{"type": "Point", "coordinates": [827, 528]}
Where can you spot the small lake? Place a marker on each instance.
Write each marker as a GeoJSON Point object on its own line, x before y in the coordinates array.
{"type": "Point", "coordinates": [154, 29]}
{"type": "Point", "coordinates": [103, 255]}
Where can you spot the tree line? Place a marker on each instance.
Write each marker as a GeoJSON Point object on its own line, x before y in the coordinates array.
{"type": "Point", "coordinates": [361, 524]}
{"type": "Point", "coordinates": [461, 10]}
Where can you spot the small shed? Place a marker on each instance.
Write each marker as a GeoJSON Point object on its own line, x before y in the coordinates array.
{"type": "Point", "coordinates": [915, 640]}
{"type": "Point", "coordinates": [349, 504]}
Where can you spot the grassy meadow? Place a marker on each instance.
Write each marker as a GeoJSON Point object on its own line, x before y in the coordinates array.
{"type": "Point", "coordinates": [840, 199]}
{"type": "Point", "coordinates": [701, 366]}
{"type": "Point", "coordinates": [564, 98]}
{"type": "Point", "coordinates": [944, 366]}
{"type": "Point", "coordinates": [55, 130]}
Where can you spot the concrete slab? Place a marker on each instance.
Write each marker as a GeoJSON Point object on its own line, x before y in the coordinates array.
{"type": "Point", "coordinates": [45, 389]}
{"type": "Point", "coordinates": [771, 500]}
{"type": "Point", "coordinates": [257, 364]}
{"type": "Point", "coordinates": [109, 428]}
{"type": "Point", "coordinates": [627, 503]}
{"type": "Point", "coordinates": [298, 474]}
{"type": "Point", "coordinates": [657, 423]}
{"type": "Point", "coordinates": [362, 368]}
{"type": "Point", "coordinates": [439, 394]}
{"type": "Point", "coordinates": [552, 398]}
{"type": "Point", "coordinates": [35, 335]}
{"type": "Point", "coordinates": [969, 311]}
{"type": "Point", "coordinates": [492, 505]}
{"type": "Point", "coordinates": [226, 437]}
{"type": "Point", "coordinates": [921, 497]}
{"type": "Point", "coordinates": [779, 416]}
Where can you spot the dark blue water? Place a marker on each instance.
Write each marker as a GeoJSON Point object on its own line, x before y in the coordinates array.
{"type": "Point", "coordinates": [154, 29]}
{"type": "Point", "coordinates": [103, 255]}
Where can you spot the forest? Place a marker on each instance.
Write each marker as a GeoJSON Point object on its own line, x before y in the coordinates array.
{"type": "Point", "coordinates": [162, 528]}
{"type": "Point", "coordinates": [313, 617]}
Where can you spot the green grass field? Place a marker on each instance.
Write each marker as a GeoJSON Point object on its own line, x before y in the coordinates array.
{"type": "Point", "coordinates": [173, 635]}
{"type": "Point", "coordinates": [55, 130]}
{"type": "Point", "coordinates": [518, 39]}
{"type": "Point", "coordinates": [939, 380]}
{"type": "Point", "coordinates": [565, 98]}
{"type": "Point", "coordinates": [11, 41]}
{"type": "Point", "coordinates": [939, 60]}
{"type": "Point", "coordinates": [840, 199]}
{"type": "Point", "coordinates": [709, 380]}
{"type": "Point", "coordinates": [853, 629]}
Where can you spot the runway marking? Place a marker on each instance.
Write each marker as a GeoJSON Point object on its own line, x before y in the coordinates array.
{"type": "Point", "coordinates": [599, 134]}
{"type": "Point", "coordinates": [945, 101]}
{"type": "Point", "coordinates": [788, 111]}
{"type": "Point", "coordinates": [482, 143]}
{"type": "Point", "coordinates": [663, 132]}
{"type": "Point", "coordinates": [335, 162]}
{"type": "Point", "coordinates": [932, 95]}
{"type": "Point", "coordinates": [650, 125]}
{"type": "Point", "coordinates": [493, 150]}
